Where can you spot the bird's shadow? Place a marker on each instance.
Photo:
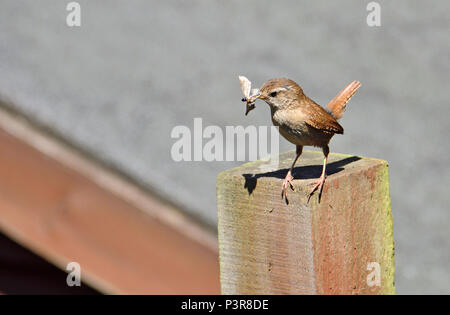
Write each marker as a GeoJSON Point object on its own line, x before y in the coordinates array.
{"type": "Point", "coordinates": [301, 172]}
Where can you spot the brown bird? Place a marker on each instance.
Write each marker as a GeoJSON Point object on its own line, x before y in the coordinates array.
{"type": "Point", "coordinates": [303, 122]}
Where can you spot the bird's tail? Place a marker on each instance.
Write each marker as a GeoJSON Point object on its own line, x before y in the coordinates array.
{"type": "Point", "coordinates": [338, 104]}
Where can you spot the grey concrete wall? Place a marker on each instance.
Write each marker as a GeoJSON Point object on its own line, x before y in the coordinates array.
{"type": "Point", "coordinates": [117, 86]}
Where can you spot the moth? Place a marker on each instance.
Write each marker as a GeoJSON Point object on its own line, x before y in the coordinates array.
{"type": "Point", "coordinates": [250, 95]}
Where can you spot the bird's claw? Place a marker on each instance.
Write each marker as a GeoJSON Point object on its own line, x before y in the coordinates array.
{"type": "Point", "coordinates": [318, 185]}
{"type": "Point", "coordinates": [288, 180]}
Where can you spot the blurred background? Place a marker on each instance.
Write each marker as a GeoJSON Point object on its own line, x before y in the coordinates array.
{"type": "Point", "coordinates": [113, 89]}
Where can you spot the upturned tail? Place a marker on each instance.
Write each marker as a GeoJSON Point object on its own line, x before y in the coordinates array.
{"type": "Point", "coordinates": [337, 105]}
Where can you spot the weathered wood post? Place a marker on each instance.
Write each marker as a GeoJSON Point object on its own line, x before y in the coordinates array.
{"type": "Point", "coordinates": [342, 245]}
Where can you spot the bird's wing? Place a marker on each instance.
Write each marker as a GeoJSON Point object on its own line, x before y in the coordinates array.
{"type": "Point", "coordinates": [320, 119]}
{"type": "Point", "coordinates": [337, 105]}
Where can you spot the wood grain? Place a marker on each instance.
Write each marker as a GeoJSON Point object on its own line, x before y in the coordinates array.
{"type": "Point", "coordinates": [269, 247]}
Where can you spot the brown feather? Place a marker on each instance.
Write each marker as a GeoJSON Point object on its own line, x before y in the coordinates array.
{"type": "Point", "coordinates": [337, 105]}
{"type": "Point", "coordinates": [320, 119]}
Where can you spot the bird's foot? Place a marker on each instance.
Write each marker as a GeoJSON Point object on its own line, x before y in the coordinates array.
{"type": "Point", "coordinates": [287, 181]}
{"type": "Point", "coordinates": [318, 185]}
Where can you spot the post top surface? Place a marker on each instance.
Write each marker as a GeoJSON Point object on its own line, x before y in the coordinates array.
{"type": "Point", "coordinates": [308, 166]}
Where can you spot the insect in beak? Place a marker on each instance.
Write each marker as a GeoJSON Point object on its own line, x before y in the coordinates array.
{"type": "Point", "coordinates": [250, 95]}
{"type": "Point", "coordinates": [249, 107]}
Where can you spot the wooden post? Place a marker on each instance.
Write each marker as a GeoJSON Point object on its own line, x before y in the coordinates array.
{"type": "Point", "coordinates": [342, 245]}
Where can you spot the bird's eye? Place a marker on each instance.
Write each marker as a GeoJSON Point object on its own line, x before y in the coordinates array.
{"type": "Point", "coordinates": [273, 94]}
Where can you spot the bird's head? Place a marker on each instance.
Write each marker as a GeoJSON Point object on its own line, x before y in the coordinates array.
{"type": "Point", "coordinates": [280, 93]}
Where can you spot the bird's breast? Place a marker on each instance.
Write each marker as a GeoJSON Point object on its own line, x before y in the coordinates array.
{"type": "Point", "coordinates": [295, 129]}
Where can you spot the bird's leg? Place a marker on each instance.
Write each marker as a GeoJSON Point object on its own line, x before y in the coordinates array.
{"type": "Point", "coordinates": [289, 178]}
{"type": "Point", "coordinates": [321, 180]}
